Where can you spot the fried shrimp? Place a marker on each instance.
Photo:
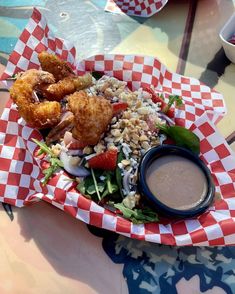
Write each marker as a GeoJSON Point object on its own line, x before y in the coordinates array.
{"type": "Point", "coordinates": [53, 64]}
{"type": "Point", "coordinates": [64, 87]}
{"type": "Point", "coordinates": [92, 115]}
{"type": "Point", "coordinates": [66, 80]}
{"type": "Point", "coordinates": [37, 114]}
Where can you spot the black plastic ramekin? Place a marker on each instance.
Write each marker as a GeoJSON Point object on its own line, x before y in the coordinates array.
{"type": "Point", "coordinates": [164, 150]}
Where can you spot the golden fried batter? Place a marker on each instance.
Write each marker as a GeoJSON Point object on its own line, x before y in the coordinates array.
{"type": "Point", "coordinates": [64, 87]}
{"type": "Point", "coordinates": [37, 114]}
{"type": "Point", "coordinates": [41, 115]}
{"type": "Point", "coordinates": [53, 64]}
{"type": "Point", "coordinates": [22, 89]}
{"type": "Point", "coordinates": [92, 115]}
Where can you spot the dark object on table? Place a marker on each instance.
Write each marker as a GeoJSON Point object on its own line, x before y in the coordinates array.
{"type": "Point", "coordinates": [8, 209]}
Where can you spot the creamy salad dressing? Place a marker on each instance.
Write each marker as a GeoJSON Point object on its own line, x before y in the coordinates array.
{"type": "Point", "coordinates": [177, 182]}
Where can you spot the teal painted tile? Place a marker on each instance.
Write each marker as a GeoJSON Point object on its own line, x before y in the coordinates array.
{"type": "Point", "coordinates": [22, 3]}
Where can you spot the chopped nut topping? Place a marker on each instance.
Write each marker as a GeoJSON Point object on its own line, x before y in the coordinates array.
{"type": "Point", "coordinates": [143, 138]}
{"type": "Point", "coordinates": [87, 150]}
{"type": "Point", "coordinates": [145, 145]}
{"type": "Point", "coordinates": [116, 132]}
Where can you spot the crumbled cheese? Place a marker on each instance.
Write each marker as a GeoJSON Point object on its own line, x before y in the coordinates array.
{"type": "Point", "coordinates": [56, 149]}
{"type": "Point", "coordinates": [126, 150]}
{"type": "Point", "coordinates": [129, 201]}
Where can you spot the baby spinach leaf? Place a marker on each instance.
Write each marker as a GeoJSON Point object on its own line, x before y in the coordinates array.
{"type": "Point", "coordinates": [91, 189]}
{"type": "Point", "coordinates": [182, 137]}
{"type": "Point", "coordinates": [81, 187]}
{"type": "Point", "coordinates": [95, 187]}
{"type": "Point", "coordinates": [112, 187]}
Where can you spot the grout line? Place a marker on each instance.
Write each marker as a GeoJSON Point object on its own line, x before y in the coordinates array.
{"type": "Point", "coordinates": [184, 50]}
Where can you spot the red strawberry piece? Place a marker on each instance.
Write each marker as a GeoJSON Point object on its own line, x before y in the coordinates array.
{"type": "Point", "coordinates": [119, 107]}
{"type": "Point", "coordinates": [156, 98]}
{"type": "Point", "coordinates": [106, 160]}
{"type": "Point", "coordinates": [170, 112]}
{"type": "Point", "coordinates": [169, 141]}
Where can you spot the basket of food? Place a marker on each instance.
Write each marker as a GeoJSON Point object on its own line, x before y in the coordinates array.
{"type": "Point", "coordinates": [91, 137]}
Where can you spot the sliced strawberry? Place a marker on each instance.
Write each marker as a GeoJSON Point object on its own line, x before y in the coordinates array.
{"type": "Point", "coordinates": [156, 98]}
{"type": "Point", "coordinates": [170, 112]}
{"type": "Point", "coordinates": [169, 141]}
{"type": "Point", "coordinates": [119, 107]}
{"type": "Point", "coordinates": [106, 160]}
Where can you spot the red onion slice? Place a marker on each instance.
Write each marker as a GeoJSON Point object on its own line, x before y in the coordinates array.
{"type": "Point", "coordinates": [75, 170]}
{"type": "Point", "coordinates": [126, 181]}
{"type": "Point", "coordinates": [75, 152]}
{"type": "Point", "coordinates": [166, 118]}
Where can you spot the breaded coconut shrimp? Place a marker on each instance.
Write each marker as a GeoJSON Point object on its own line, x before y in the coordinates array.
{"type": "Point", "coordinates": [57, 91]}
{"type": "Point", "coordinates": [66, 80]}
{"type": "Point", "coordinates": [92, 115]}
{"type": "Point", "coordinates": [37, 114]}
{"type": "Point", "coordinates": [53, 64]}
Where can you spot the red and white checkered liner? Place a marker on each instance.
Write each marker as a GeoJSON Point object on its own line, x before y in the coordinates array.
{"type": "Point", "coordinates": [21, 172]}
{"type": "Point", "coordinates": [143, 8]}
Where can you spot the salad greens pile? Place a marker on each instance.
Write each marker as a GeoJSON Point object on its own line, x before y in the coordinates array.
{"type": "Point", "coordinates": [98, 185]}
{"type": "Point", "coordinates": [106, 186]}
{"type": "Point", "coordinates": [105, 183]}
{"type": "Point", "coordinates": [137, 215]}
{"type": "Point", "coordinates": [54, 161]}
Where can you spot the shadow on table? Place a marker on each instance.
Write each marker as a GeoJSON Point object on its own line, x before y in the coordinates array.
{"type": "Point", "coordinates": [155, 268]}
{"type": "Point", "coordinates": [69, 247]}
{"type": "Point", "coordinates": [75, 253]}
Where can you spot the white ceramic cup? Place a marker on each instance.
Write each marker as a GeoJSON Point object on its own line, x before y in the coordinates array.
{"type": "Point", "coordinates": [225, 34]}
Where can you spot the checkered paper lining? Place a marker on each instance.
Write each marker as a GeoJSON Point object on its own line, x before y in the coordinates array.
{"type": "Point", "coordinates": [142, 8]}
{"type": "Point", "coordinates": [20, 173]}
